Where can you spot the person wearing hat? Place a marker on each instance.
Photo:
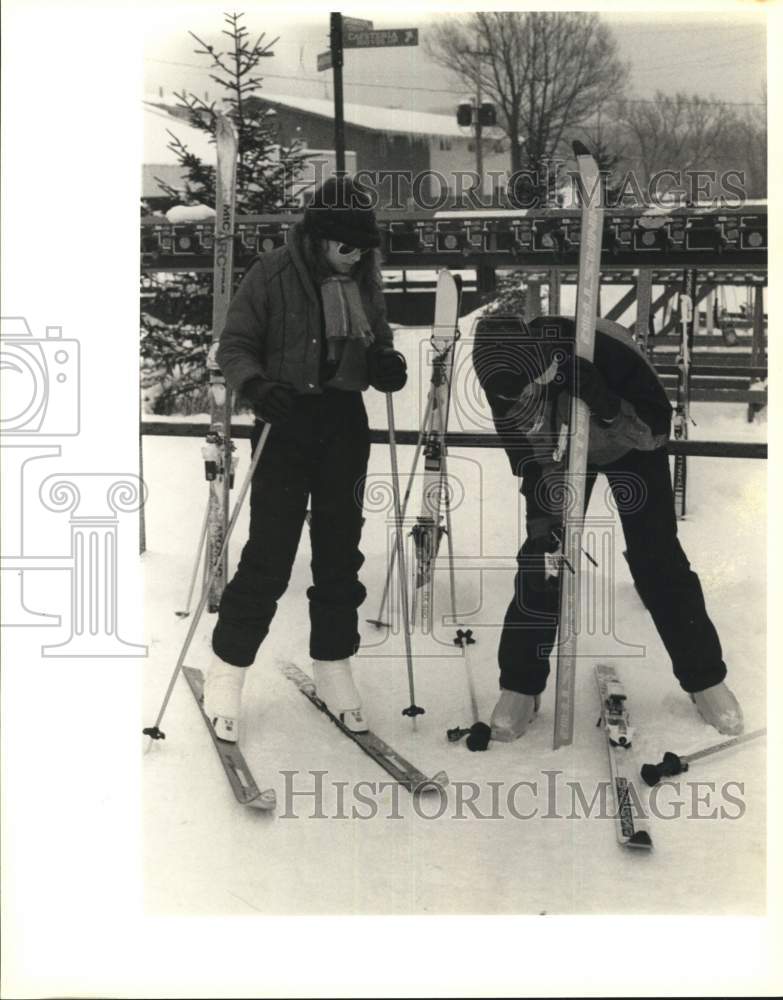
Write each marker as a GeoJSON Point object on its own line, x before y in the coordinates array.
{"type": "Point", "coordinates": [306, 334]}
{"type": "Point", "coordinates": [529, 373]}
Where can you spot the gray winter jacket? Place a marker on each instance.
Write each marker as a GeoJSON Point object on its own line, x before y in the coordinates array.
{"type": "Point", "coordinates": [274, 327]}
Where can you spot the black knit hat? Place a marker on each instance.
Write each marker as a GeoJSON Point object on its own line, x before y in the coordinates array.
{"type": "Point", "coordinates": [341, 211]}
{"type": "Point", "coordinates": [508, 354]}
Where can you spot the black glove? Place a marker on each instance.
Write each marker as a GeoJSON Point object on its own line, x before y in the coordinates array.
{"type": "Point", "coordinates": [386, 369]}
{"type": "Point", "coordinates": [592, 388]}
{"type": "Point", "coordinates": [272, 401]}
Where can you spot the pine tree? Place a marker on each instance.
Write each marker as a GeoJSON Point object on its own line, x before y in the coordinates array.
{"type": "Point", "coordinates": [266, 170]}
{"type": "Point", "coordinates": [176, 309]}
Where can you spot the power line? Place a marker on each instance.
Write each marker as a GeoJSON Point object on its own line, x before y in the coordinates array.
{"type": "Point", "coordinates": [449, 90]}
{"type": "Point", "coordinates": [696, 63]}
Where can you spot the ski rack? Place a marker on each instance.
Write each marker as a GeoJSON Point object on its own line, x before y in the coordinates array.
{"type": "Point", "coordinates": [465, 439]}
{"type": "Point", "coordinates": [706, 237]}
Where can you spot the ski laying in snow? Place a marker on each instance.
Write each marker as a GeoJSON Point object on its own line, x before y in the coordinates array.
{"type": "Point", "coordinates": [393, 763]}
{"type": "Point", "coordinates": [631, 831]}
{"type": "Point", "coordinates": [242, 782]}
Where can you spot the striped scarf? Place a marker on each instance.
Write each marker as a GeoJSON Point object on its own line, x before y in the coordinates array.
{"type": "Point", "coordinates": [348, 332]}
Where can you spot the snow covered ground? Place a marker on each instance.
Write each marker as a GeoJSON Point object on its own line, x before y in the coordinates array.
{"type": "Point", "coordinates": [530, 849]}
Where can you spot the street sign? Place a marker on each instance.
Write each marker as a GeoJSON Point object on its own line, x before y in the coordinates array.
{"type": "Point", "coordinates": [324, 60]}
{"type": "Point", "coordinates": [380, 38]}
{"type": "Point", "coordinates": [356, 24]}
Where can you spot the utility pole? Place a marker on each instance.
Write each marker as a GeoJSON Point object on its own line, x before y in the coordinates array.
{"type": "Point", "coordinates": [336, 48]}
{"type": "Point", "coordinates": [478, 54]}
{"type": "Point", "coordinates": [479, 150]}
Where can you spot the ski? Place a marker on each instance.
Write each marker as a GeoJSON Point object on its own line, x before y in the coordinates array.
{"type": "Point", "coordinates": [218, 449]}
{"type": "Point", "coordinates": [588, 281]}
{"type": "Point", "coordinates": [643, 304]}
{"type": "Point", "coordinates": [242, 782]}
{"type": "Point", "coordinates": [632, 831]}
{"type": "Point", "coordinates": [757, 354]}
{"type": "Point", "coordinates": [429, 528]}
{"type": "Point", "coordinates": [682, 407]}
{"type": "Point", "coordinates": [398, 767]}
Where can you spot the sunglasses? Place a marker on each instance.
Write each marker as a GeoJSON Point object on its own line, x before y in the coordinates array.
{"type": "Point", "coordinates": [345, 250]}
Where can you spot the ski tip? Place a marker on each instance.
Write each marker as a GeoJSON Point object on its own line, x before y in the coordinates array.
{"type": "Point", "coordinates": [264, 801]}
{"type": "Point", "coordinates": [640, 839]}
{"type": "Point", "coordinates": [580, 149]}
{"type": "Point", "coordinates": [377, 623]}
{"type": "Point", "coordinates": [436, 783]}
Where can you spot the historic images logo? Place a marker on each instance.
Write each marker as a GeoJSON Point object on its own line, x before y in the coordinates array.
{"type": "Point", "coordinates": [41, 401]}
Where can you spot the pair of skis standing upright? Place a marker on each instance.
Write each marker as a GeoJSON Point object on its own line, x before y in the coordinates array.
{"type": "Point", "coordinates": [427, 533]}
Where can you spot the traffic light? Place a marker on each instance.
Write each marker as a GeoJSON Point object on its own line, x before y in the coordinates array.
{"type": "Point", "coordinates": [465, 114]}
{"type": "Point", "coordinates": [487, 115]}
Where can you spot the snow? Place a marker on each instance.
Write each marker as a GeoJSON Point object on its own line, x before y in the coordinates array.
{"type": "Point", "coordinates": [158, 126]}
{"type": "Point", "coordinates": [369, 116]}
{"type": "Point", "coordinates": [206, 855]}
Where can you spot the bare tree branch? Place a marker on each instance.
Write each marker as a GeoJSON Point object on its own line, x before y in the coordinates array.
{"type": "Point", "coordinates": [546, 72]}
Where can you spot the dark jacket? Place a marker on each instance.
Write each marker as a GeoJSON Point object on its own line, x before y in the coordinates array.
{"type": "Point", "coordinates": [274, 326]}
{"type": "Point", "coordinates": [644, 421]}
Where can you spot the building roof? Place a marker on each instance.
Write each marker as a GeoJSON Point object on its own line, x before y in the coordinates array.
{"type": "Point", "coordinates": [367, 116]}
{"type": "Point", "coordinates": [158, 124]}
{"type": "Point", "coordinates": [371, 117]}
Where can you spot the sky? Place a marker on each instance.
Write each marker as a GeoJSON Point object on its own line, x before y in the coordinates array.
{"type": "Point", "coordinates": [718, 54]}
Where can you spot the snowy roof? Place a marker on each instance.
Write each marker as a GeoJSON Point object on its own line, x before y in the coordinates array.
{"type": "Point", "coordinates": [368, 116]}
{"type": "Point", "coordinates": [157, 125]}
{"type": "Point", "coordinates": [363, 115]}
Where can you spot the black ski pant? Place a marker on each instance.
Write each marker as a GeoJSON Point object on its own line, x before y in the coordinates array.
{"type": "Point", "coordinates": [667, 585]}
{"type": "Point", "coordinates": [320, 453]}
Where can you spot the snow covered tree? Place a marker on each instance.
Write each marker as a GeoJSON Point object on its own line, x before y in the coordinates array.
{"type": "Point", "coordinates": [176, 309]}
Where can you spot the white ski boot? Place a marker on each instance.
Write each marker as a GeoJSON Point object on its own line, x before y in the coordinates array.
{"type": "Point", "coordinates": [223, 698]}
{"type": "Point", "coordinates": [719, 707]}
{"type": "Point", "coordinates": [335, 687]}
{"type": "Point", "coordinates": [512, 715]}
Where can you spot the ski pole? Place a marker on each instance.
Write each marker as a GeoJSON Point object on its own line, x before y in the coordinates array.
{"type": "Point", "coordinates": [154, 731]}
{"type": "Point", "coordinates": [196, 564]}
{"type": "Point", "coordinates": [413, 709]}
{"type": "Point", "coordinates": [479, 733]}
{"type": "Point", "coordinates": [450, 543]}
{"type": "Point", "coordinates": [379, 622]}
{"type": "Point", "coordinates": [423, 431]}
{"type": "Point", "coordinates": [673, 763]}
